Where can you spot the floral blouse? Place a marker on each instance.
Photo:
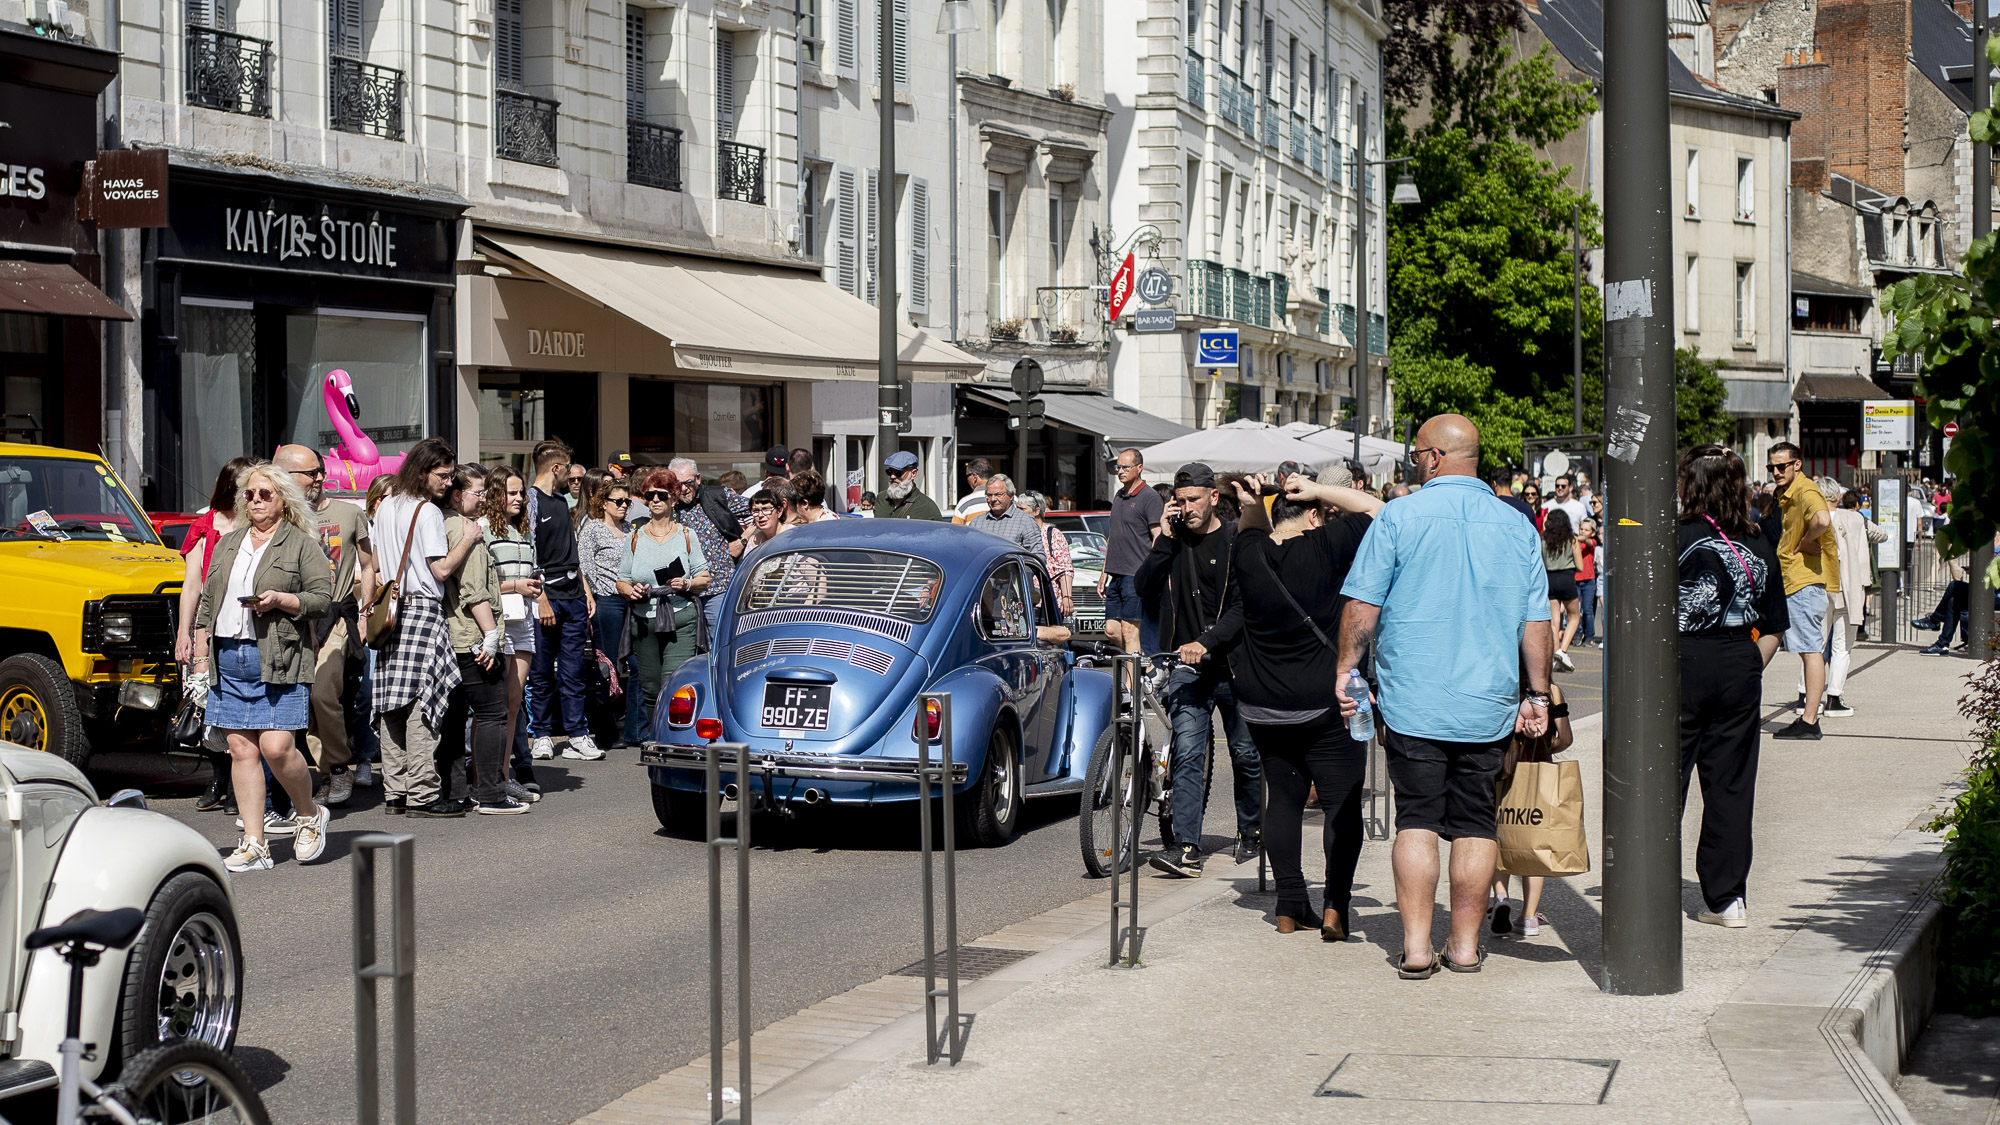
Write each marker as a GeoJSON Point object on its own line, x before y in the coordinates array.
{"type": "Point", "coordinates": [599, 551]}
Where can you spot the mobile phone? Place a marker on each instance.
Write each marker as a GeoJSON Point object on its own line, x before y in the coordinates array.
{"type": "Point", "coordinates": [247, 599]}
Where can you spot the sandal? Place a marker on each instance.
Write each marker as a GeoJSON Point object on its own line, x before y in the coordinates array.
{"type": "Point", "coordinates": [1426, 972]}
{"type": "Point", "coordinates": [1472, 968]}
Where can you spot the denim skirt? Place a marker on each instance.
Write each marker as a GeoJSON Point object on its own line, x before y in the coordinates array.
{"type": "Point", "coordinates": [241, 700]}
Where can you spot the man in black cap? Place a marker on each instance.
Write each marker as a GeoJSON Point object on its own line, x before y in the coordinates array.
{"type": "Point", "coordinates": [777, 463]}
{"type": "Point", "coordinates": [1186, 580]}
{"type": "Point", "coordinates": [620, 465]}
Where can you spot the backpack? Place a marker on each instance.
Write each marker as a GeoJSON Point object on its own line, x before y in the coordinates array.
{"type": "Point", "coordinates": [714, 501]}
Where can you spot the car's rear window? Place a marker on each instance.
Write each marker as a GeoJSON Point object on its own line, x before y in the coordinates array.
{"type": "Point", "coordinates": [883, 582]}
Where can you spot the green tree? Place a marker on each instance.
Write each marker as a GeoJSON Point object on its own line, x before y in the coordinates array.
{"type": "Point", "coordinates": [1699, 417]}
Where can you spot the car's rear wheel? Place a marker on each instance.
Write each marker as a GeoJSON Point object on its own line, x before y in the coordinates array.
{"type": "Point", "coordinates": [990, 812]}
{"type": "Point", "coordinates": [184, 975]}
{"type": "Point", "coordinates": [1101, 790]}
{"type": "Point", "coordinates": [679, 812]}
{"type": "Point", "coordinates": [38, 708]}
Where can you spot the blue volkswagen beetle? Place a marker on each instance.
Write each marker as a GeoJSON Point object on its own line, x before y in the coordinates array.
{"type": "Point", "coordinates": [830, 634]}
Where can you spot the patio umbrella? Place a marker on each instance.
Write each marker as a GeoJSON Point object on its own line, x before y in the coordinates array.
{"type": "Point", "coordinates": [1378, 455]}
{"type": "Point", "coordinates": [1237, 447]}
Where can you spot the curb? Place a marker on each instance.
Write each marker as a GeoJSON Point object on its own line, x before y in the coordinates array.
{"type": "Point", "coordinates": [1820, 1031]}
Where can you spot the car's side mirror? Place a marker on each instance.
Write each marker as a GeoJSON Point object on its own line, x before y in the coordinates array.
{"type": "Point", "coordinates": [126, 799]}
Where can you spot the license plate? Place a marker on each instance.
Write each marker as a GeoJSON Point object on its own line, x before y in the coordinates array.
{"type": "Point", "coordinates": [796, 706]}
{"type": "Point", "coordinates": [1090, 624]}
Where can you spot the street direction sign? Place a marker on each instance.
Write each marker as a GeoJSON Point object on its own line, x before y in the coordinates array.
{"type": "Point", "coordinates": [1153, 320]}
{"type": "Point", "coordinates": [1216, 347]}
{"type": "Point", "coordinates": [1121, 286]}
{"type": "Point", "coordinates": [1027, 378]}
{"type": "Point", "coordinates": [1032, 408]}
{"type": "Point", "coordinates": [1156, 286]}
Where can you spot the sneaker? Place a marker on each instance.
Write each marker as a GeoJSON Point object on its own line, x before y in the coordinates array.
{"type": "Point", "coordinates": [1927, 624]}
{"type": "Point", "coordinates": [320, 786]}
{"type": "Point", "coordinates": [541, 749]}
{"type": "Point", "coordinates": [1836, 707]}
{"type": "Point", "coordinates": [212, 798]}
{"type": "Point", "coordinates": [1564, 662]}
{"type": "Point", "coordinates": [441, 809]}
{"type": "Point", "coordinates": [1937, 649]}
{"type": "Point", "coordinates": [1531, 925]}
{"type": "Point", "coordinates": [249, 856]}
{"type": "Point", "coordinates": [1248, 845]}
{"type": "Point", "coordinates": [340, 788]}
{"type": "Point", "coordinates": [1184, 861]}
{"type": "Point", "coordinates": [310, 839]}
{"type": "Point", "coordinates": [582, 748]}
{"type": "Point", "coordinates": [503, 807]}
{"type": "Point", "coordinates": [229, 803]}
{"type": "Point", "coordinates": [1799, 728]}
{"type": "Point", "coordinates": [275, 825]}
{"type": "Point", "coordinates": [534, 787]}
{"type": "Point", "coordinates": [364, 774]}
{"type": "Point", "coordinates": [522, 793]}
{"type": "Point", "coordinates": [1731, 917]}
{"type": "Point", "coordinates": [1503, 917]}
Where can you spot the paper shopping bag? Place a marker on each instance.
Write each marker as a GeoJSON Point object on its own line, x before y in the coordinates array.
{"type": "Point", "coordinates": [1541, 821]}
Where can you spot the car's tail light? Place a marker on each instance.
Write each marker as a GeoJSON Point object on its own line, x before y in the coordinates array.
{"type": "Point", "coordinates": [930, 720]}
{"type": "Point", "coordinates": [710, 729]}
{"type": "Point", "coordinates": [680, 707]}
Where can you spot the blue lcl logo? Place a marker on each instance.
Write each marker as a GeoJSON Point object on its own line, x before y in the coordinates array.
{"type": "Point", "coordinates": [1216, 348]}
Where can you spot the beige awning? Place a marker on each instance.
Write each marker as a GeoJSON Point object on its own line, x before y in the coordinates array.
{"type": "Point", "coordinates": [735, 318]}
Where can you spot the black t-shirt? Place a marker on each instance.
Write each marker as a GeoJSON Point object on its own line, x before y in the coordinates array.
{"type": "Point", "coordinates": [1727, 584]}
{"type": "Point", "coordinates": [1281, 665]}
{"type": "Point", "coordinates": [555, 544]}
{"type": "Point", "coordinates": [1185, 580]}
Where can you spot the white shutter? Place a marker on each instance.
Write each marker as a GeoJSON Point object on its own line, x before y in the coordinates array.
{"type": "Point", "coordinates": [846, 39]}
{"type": "Point", "coordinates": [846, 252]}
{"type": "Point", "coordinates": [725, 85]}
{"type": "Point", "coordinates": [871, 238]}
{"type": "Point", "coordinates": [917, 270]}
{"type": "Point", "coordinates": [902, 44]}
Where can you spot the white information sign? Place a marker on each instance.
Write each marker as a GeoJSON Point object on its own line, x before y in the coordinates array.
{"type": "Point", "coordinates": [1889, 515]}
{"type": "Point", "coordinates": [1888, 425]}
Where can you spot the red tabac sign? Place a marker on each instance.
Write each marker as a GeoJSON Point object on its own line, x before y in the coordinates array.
{"type": "Point", "coordinates": [1121, 286]}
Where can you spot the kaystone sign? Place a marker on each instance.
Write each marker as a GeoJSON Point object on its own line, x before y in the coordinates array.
{"type": "Point", "coordinates": [304, 231]}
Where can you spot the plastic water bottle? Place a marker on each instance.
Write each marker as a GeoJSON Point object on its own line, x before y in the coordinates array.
{"type": "Point", "coordinates": [1361, 724]}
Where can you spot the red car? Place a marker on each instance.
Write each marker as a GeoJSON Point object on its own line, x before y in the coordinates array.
{"type": "Point", "coordinates": [172, 526]}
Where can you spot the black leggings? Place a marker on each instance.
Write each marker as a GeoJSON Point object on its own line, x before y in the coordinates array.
{"type": "Point", "coordinates": [1722, 682]}
{"type": "Point", "coordinates": [1297, 756]}
{"type": "Point", "coordinates": [482, 695]}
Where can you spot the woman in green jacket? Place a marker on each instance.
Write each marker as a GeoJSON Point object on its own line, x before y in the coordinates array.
{"type": "Point", "coordinates": [267, 578]}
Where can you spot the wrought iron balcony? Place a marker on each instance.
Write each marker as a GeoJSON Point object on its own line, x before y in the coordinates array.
{"type": "Point", "coordinates": [653, 155]}
{"type": "Point", "coordinates": [365, 98]}
{"type": "Point", "coordinates": [739, 172]}
{"type": "Point", "coordinates": [1319, 152]}
{"type": "Point", "coordinates": [1260, 301]}
{"type": "Point", "coordinates": [1281, 293]}
{"type": "Point", "coordinates": [1207, 288]}
{"type": "Point", "coordinates": [1299, 138]}
{"type": "Point", "coordinates": [1241, 302]}
{"type": "Point", "coordinates": [1271, 115]}
{"type": "Point", "coordinates": [1197, 79]}
{"type": "Point", "coordinates": [1325, 310]}
{"type": "Point", "coordinates": [228, 71]}
{"type": "Point", "coordinates": [527, 127]}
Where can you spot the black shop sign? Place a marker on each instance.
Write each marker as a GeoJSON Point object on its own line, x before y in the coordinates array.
{"type": "Point", "coordinates": [302, 231]}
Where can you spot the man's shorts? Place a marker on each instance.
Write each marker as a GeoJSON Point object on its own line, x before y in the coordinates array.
{"type": "Point", "coordinates": [1121, 599]}
{"type": "Point", "coordinates": [1450, 788]}
{"type": "Point", "coordinates": [1807, 608]}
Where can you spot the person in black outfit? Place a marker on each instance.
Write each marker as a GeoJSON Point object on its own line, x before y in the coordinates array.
{"type": "Point", "coordinates": [1185, 582]}
{"type": "Point", "coordinates": [1286, 671]}
{"type": "Point", "coordinates": [1731, 611]}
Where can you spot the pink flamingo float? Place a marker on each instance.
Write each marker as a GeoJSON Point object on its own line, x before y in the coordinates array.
{"type": "Point", "coordinates": [355, 462]}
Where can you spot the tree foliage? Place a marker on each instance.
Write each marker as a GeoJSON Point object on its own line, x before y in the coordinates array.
{"type": "Point", "coordinates": [1699, 417]}
{"type": "Point", "coordinates": [1422, 49]}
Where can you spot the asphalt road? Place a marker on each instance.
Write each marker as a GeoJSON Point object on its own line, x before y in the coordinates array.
{"type": "Point", "coordinates": [562, 956]}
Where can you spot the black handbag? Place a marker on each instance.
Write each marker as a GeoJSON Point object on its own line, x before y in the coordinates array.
{"type": "Point", "coordinates": [187, 727]}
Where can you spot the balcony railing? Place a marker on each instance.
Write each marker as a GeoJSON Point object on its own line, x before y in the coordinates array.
{"type": "Point", "coordinates": [1241, 302]}
{"type": "Point", "coordinates": [1271, 130]}
{"type": "Point", "coordinates": [1207, 288]}
{"type": "Point", "coordinates": [1325, 311]}
{"type": "Point", "coordinates": [1260, 301]}
{"type": "Point", "coordinates": [653, 155]}
{"type": "Point", "coordinates": [739, 170]}
{"type": "Point", "coordinates": [527, 127]}
{"type": "Point", "coordinates": [1336, 161]}
{"type": "Point", "coordinates": [1299, 139]}
{"type": "Point", "coordinates": [365, 98]}
{"type": "Point", "coordinates": [228, 71]}
{"type": "Point", "coordinates": [1319, 152]}
{"type": "Point", "coordinates": [1197, 78]}
{"type": "Point", "coordinates": [1281, 292]}
{"type": "Point", "coordinates": [1238, 107]}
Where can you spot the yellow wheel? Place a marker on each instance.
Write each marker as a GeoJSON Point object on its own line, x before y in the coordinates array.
{"type": "Point", "coordinates": [23, 720]}
{"type": "Point", "coordinates": [38, 708]}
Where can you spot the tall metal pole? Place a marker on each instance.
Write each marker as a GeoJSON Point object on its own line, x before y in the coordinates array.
{"type": "Point", "coordinates": [1360, 289]}
{"type": "Point", "coordinates": [1576, 315]}
{"type": "Point", "coordinates": [888, 395]}
{"type": "Point", "coordinates": [1642, 851]}
{"type": "Point", "coordinates": [951, 130]}
{"type": "Point", "coordinates": [1979, 638]}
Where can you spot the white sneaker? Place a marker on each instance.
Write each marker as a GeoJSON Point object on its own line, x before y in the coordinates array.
{"type": "Point", "coordinates": [364, 774]}
{"type": "Point", "coordinates": [521, 792]}
{"type": "Point", "coordinates": [541, 749]}
{"type": "Point", "coordinates": [1564, 662]}
{"type": "Point", "coordinates": [1530, 925]}
{"type": "Point", "coordinates": [582, 748]}
{"type": "Point", "coordinates": [310, 839]}
{"type": "Point", "coordinates": [275, 825]}
{"type": "Point", "coordinates": [340, 788]}
{"type": "Point", "coordinates": [1734, 916]}
{"type": "Point", "coordinates": [249, 856]}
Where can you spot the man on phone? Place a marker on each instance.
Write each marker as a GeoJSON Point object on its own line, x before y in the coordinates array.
{"type": "Point", "coordinates": [1135, 523]}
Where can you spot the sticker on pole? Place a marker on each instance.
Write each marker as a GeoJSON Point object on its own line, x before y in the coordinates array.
{"type": "Point", "coordinates": [1121, 286]}
{"type": "Point", "coordinates": [1215, 347]}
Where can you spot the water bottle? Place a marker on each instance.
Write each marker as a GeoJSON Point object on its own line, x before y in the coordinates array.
{"type": "Point", "coordinates": [1361, 724]}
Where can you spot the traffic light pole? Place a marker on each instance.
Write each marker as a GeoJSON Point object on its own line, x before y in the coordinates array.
{"type": "Point", "coordinates": [888, 395]}
{"type": "Point", "coordinates": [1642, 852]}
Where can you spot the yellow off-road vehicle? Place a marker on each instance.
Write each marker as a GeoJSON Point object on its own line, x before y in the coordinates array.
{"type": "Point", "coordinates": [88, 604]}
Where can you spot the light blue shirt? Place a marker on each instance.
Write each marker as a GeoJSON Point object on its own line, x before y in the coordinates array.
{"type": "Point", "coordinates": [1458, 575]}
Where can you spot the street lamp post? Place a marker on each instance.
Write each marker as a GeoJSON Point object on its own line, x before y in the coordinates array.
{"type": "Point", "coordinates": [888, 390]}
{"type": "Point", "coordinates": [1406, 192]}
{"type": "Point", "coordinates": [1979, 636]}
{"type": "Point", "coordinates": [954, 19]}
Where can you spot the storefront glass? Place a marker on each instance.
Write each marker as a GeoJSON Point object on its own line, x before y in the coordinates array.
{"type": "Point", "coordinates": [24, 373]}
{"type": "Point", "coordinates": [516, 410]}
{"type": "Point", "coordinates": [383, 356]}
{"type": "Point", "coordinates": [688, 419]}
{"type": "Point", "coordinates": [218, 379]}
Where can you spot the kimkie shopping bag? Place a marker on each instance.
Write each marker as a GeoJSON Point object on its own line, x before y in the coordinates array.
{"type": "Point", "coordinates": [1541, 821]}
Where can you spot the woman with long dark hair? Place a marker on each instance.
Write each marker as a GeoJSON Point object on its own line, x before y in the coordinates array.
{"type": "Point", "coordinates": [600, 550]}
{"type": "Point", "coordinates": [1731, 610]}
{"type": "Point", "coordinates": [1565, 604]}
{"type": "Point", "coordinates": [199, 547]}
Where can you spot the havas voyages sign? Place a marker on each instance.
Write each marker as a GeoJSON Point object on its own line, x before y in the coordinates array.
{"type": "Point", "coordinates": [306, 231]}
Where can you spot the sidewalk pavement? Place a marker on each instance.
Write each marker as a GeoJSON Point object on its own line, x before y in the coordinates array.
{"type": "Point", "coordinates": [1228, 1020]}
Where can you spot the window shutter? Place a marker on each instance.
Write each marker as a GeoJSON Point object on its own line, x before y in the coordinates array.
{"type": "Point", "coordinates": [508, 48]}
{"type": "Point", "coordinates": [725, 85]}
{"type": "Point", "coordinates": [846, 39]}
{"type": "Point", "coordinates": [343, 28]}
{"type": "Point", "coordinates": [635, 63]}
{"type": "Point", "coordinates": [846, 251]}
{"type": "Point", "coordinates": [871, 239]}
{"type": "Point", "coordinates": [1270, 59]}
{"type": "Point", "coordinates": [917, 284]}
{"type": "Point", "coordinates": [211, 13]}
{"type": "Point", "coordinates": [902, 44]}
{"type": "Point", "coordinates": [1194, 26]}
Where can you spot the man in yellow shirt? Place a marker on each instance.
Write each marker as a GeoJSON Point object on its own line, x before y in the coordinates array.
{"type": "Point", "coordinates": [1809, 559]}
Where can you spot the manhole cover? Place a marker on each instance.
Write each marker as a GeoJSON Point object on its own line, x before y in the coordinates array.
{"type": "Point", "coordinates": [974, 961]}
{"type": "Point", "coordinates": [1470, 1078]}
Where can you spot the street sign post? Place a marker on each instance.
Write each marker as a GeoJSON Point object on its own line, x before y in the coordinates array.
{"type": "Point", "coordinates": [1121, 286]}
{"type": "Point", "coordinates": [1026, 378]}
{"type": "Point", "coordinates": [1216, 347]}
{"type": "Point", "coordinates": [1026, 414]}
{"type": "Point", "coordinates": [1154, 320]}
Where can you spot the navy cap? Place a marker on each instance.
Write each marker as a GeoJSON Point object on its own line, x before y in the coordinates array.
{"type": "Point", "coordinates": [900, 461]}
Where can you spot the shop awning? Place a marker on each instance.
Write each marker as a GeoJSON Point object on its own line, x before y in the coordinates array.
{"type": "Point", "coordinates": [1757, 398]}
{"type": "Point", "coordinates": [53, 289]}
{"type": "Point", "coordinates": [1836, 388]}
{"type": "Point", "coordinates": [1094, 413]}
{"type": "Point", "coordinates": [734, 318]}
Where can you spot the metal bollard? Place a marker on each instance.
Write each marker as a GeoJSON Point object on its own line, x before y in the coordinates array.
{"type": "Point", "coordinates": [1126, 933]}
{"type": "Point", "coordinates": [716, 842]}
{"type": "Point", "coordinates": [401, 969]}
{"type": "Point", "coordinates": [952, 1042]}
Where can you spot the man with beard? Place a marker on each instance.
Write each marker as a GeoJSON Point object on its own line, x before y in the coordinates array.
{"type": "Point", "coordinates": [902, 499]}
{"type": "Point", "coordinates": [556, 678]}
{"type": "Point", "coordinates": [343, 535]}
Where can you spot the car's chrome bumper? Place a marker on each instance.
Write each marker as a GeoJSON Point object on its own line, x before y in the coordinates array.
{"type": "Point", "coordinates": [791, 764]}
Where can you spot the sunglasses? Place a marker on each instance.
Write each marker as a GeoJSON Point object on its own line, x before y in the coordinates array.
{"type": "Point", "coordinates": [315, 474]}
{"type": "Point", "coordinates": [621, 501]}
{"type": "Point", "coordinates": [261, 495]}
{"type": "Point", "coordinates": [1779, 466]}
{"type": "Point", "coordinates": [659, 494]}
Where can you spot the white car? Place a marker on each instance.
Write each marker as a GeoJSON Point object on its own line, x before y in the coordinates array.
{"type": "Point", "coordinates": [1086, 554]}
{"type": "Point", "coordinates": [66, 851]}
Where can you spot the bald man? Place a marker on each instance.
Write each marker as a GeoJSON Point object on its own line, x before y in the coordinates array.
{"type": "Point", "coordinates": [343, 535]}
{"type": "Point", "coordinates": [1447, 585]}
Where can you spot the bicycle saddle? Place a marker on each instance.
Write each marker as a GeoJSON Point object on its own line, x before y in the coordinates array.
{"type": "Point", "coordinates": [112, 929]}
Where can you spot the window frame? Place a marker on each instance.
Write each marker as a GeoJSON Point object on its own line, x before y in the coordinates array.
{"type": "Point", "coordinates": [1746, 189]}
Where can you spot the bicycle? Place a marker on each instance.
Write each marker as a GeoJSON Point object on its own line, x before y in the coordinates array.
{"type": "Point", "coordinates": [172, 1084]}
{"type": "Point", "coordinates": [1150, 758]}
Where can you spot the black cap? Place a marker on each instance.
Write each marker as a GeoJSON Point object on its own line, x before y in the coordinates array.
{"type": "Point", "coordinates": [1194, 475]}
{"type": "Point", "coordinates": [778, 459]}
{"type": "Point", "coordinates": [620, 458]}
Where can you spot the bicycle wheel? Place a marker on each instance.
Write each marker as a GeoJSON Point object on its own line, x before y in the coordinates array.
{"type": "Point", "coordinates": [1093, 827]}
{"type": "Point", "coordinates": [187, 1083]}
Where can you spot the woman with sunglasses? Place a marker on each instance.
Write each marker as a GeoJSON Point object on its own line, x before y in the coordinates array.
{"type": "Point", "coordinates": [267, 579]}
{"type": "Point", "coordinates": [600, 549]}
{"type": "Point", "coordinates": [1531, 495]}
{"type": "Point", "coordinates": [504, 517]}
{"type": "Point", "coordinates": [662, 572]}
{"type": "Point", "coordinates": [220, 519]}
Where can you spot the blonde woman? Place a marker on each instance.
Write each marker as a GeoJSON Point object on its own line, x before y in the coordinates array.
{"type": "Point", "coordinates": [265, 580]}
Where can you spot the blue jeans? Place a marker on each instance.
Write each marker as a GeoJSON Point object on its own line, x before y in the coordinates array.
{"type": "Point", "coordinates": [1192, 697]}
{"type": "Point", "coordinates": [557, 675]}
{"type": "Point", "coordinates": [1586, 594]}
{"type": "Point", "coordinates": [608, 628]}
{"type": "Point", "coordinates": [711, 608]}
